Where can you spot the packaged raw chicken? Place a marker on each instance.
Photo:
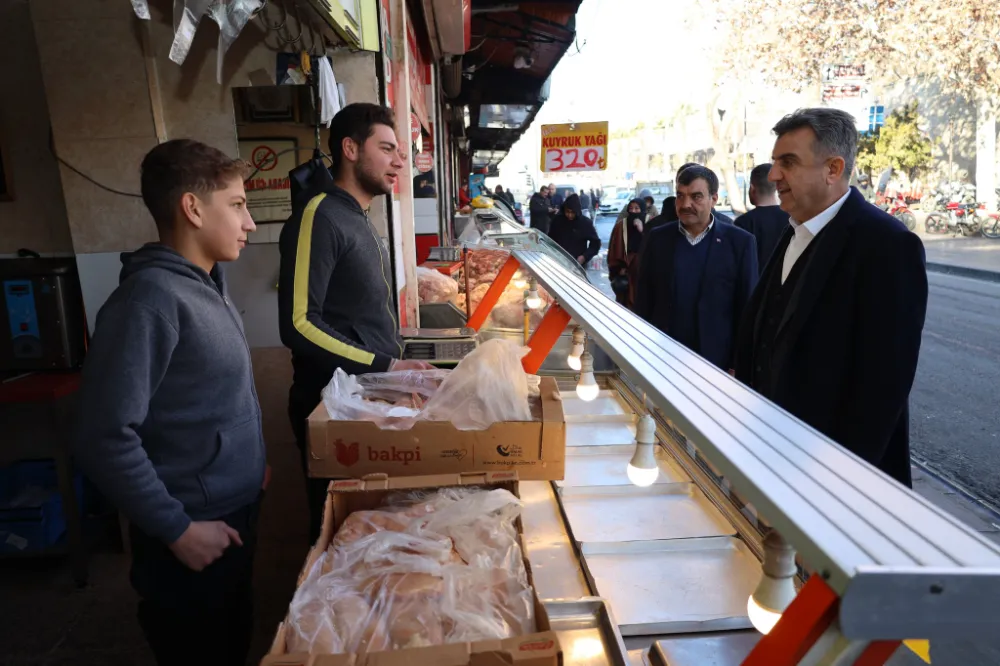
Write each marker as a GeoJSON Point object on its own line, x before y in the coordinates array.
{"type": "Point", "coordinates": [487, 386]}
{"type": "Point", "coordinates": [427, 568]}
{"type": "Point", "coordinates": [434, 287]}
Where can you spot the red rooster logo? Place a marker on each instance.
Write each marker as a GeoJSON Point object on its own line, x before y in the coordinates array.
{"type": "Point", "coordinates": [347, 454]}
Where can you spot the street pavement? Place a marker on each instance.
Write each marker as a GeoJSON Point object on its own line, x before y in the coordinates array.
{"type": "Point", "coordinates": [954, 415]}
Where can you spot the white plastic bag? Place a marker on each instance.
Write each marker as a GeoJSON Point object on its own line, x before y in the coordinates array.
{"type": "Point", "coordinates": [428, 569]}
{"type": "Point", "coordinates": [487, 386]}
{"type": "Point", "coordinates": [434, 287]}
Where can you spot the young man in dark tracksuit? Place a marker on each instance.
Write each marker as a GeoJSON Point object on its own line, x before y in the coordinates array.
{"type": "Point", "coordinates": [169, 426]}
{"type": "Point", "coordinates": [335, 299]}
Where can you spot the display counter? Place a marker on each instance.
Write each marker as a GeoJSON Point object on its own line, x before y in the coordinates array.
{"type": "Point", "coordinates": [633, 568]}
{"type": "Point", "coordinates": [677, 560]}
{"type": "Point", "coordinates": [667, 559]}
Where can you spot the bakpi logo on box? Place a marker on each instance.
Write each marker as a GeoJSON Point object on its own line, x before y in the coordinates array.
{"type": "Point", "coordinates": [347, 454]}
{"type": "Point", "coordinates": [536, 646]}
{"type": "Point", "coordinates": [392, 454]}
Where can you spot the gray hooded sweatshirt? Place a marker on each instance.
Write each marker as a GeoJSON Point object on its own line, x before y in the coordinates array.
{"type": "Point", "coordinates": [169, 427]}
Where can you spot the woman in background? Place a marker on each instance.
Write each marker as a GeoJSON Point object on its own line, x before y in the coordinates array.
{"type": "Point", "coordinates": [623, 251]}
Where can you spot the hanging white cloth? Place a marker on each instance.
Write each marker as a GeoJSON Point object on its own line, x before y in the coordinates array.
{"type": "Point", "coordinates": [329, 94]}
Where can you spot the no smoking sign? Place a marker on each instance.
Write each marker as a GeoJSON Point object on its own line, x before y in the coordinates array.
{"type": "Point", "coordinates": [264, 158]}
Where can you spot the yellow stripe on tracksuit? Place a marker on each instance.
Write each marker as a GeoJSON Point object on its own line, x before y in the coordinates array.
{"type": "Point", "coordinates": [300, 294]}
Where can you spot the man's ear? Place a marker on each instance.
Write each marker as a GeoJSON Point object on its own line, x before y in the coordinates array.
{"type": "Point", "coordinates": [350, 149]}
{"type": "Point", "coordinates": [715, 199]}
{"type": "Point", "coordinates": [836, 167]}
{"type": "Point", "coordinates": [193, 209]}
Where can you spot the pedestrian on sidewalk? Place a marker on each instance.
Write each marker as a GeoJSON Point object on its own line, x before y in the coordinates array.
{"type": "Point", "coordinates": [540, 210]}
{"type": "Point", "coordinates": [585, 204]}
{"type": "Point", "coordinates": [767, 222]}
{"type": "Point", "coordinates": [832, 333]}
{"type": "Point", "coordinates": [169, 427]}
{"type": "Point", "coordinates": [574, 232]}
{"type": "Point", "coordinates": [651, 210]}
{"type": "Point", "coordinates": [623, 252]}
{"type": "Point", "coordinates": [668, 213]}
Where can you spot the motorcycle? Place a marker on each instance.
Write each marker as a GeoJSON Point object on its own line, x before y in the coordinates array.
{"type": "Point", "coordinates": [957, 218]}
{"type": "Point", "coordinates": [955, 210]}
{"type": "Point", "coordinates": [900, 210]}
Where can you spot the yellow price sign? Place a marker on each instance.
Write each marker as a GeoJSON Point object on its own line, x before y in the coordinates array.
{"type": "Point", "coordinates": [575, 147]}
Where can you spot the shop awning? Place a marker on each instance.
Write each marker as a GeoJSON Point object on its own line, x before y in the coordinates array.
{"type": "Point", "coordinates": [515, 47]}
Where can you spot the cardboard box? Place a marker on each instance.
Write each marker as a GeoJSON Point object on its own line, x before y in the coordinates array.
{"type": "Point", "coordinates": [536, 450]}
{"type": "Point", "coordinates": [346, 496]}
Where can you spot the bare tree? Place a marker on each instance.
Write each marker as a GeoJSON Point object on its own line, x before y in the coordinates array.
{"type": "Point", "coordinates": [953, 42]}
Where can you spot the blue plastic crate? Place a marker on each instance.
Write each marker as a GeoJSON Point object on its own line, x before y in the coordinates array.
{"type": "Point", "coordinates": [31, 513]}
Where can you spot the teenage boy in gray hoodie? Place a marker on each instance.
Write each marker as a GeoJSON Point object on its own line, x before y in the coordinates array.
{"type": "Point", "coordinates": [169, 427]}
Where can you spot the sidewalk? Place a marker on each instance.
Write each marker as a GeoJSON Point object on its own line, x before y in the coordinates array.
{"type": "Point", "coordinates": [968, 257]}
{"type": "Point", "coordinates": [956, 501]}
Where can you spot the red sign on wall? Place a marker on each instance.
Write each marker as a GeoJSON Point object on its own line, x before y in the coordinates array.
{"type": "Point", "coordinates": [424, 162]}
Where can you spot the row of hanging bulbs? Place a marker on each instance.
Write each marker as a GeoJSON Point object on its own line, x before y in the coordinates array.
{"type": "Point", "coordinates": [776, 589]}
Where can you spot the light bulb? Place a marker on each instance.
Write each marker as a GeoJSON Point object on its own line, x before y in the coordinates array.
{"type": "Point", "coordinates": [533, 300]}
{"type": "Point", "coordinates": [587, 387]}
{"type": "Point", "coordinates": [579, 339]}
{"type": "Point", "coordinates": [519, 281]}
{"type": "Point", "coordinates": [761, 618]}
{"type": "Point", "coordinates": [776, 589]}
{"type": "Point", "coordinates": [642, 477]}
{"type": "Point", "coordinates": [643, 469]}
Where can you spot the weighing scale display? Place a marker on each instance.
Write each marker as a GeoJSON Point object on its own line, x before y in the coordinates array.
{"type": "Point", "coordinates": [438, 345]}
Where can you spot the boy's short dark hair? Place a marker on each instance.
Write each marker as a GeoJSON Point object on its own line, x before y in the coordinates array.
{"type": "Point", "coordinates": [183, 165]}
{"type": "Point", "coordinates": [357, 122]}
{"type": "Point", "coordinates": [693, 173]}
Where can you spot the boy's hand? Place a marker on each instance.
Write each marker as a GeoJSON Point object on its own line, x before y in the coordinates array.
{"type": "Point", "coordinates": [204, 542]}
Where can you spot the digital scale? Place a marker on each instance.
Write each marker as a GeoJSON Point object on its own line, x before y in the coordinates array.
{"type": "Point", "coordinates": [450, 254]}
{"type": "Point", "coordinates": [441, 346]}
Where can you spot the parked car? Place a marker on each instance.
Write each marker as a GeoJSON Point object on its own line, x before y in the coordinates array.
{"type": "Point", "coordinates": [613, 206]}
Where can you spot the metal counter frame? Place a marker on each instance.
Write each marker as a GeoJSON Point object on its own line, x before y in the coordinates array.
{"type": "Point", "coordinates": [901, 566]}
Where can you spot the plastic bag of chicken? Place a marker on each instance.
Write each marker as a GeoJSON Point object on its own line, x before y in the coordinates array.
{"type": "Point", "coordinates": [429, 568]}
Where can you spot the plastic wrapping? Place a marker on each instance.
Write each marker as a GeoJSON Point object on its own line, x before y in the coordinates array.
{"type": "Point", "coordinates": [433, 287]}
{"type": "Point", "coordinates": [186, 25]}
{"type": "Point", "coordinates": [428, 569]}
{"type": "Point", "coordinates": [487, 386]}
{"type": "Point", "coordinates": [231, 17]}
{"type": "Point", "coordinates": [141, 9]}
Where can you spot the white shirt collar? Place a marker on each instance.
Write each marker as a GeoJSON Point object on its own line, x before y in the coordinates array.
{"type": "Point", "coordinates": [817, 224]}
{"type": "Point", "coordinates": [694, 240]}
